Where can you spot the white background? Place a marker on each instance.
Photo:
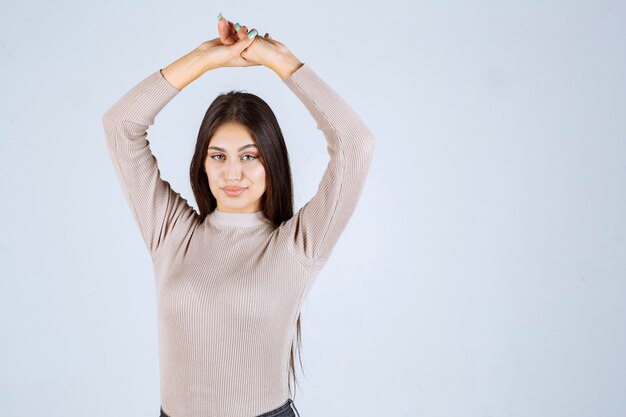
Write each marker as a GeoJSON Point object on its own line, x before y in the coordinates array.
{"type": "Point", "coordinates": [482, 274]}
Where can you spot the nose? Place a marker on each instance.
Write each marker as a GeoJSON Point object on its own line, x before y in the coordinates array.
{"type": "Point", "coordinates": [233, 171]}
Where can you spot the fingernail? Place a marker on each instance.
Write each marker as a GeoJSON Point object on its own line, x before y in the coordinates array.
{"type": "Point", "coordinates": [219, 16]}
{"type": "Point", "coordinates": [237, 26]}
{"type": "Point", "coordinates": [252, 34]}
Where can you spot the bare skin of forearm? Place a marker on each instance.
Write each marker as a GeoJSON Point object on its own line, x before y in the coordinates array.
{"type": "Point", "coordinates": [287, 66]}
{"type": "Point", "coordinates": [187, 68]}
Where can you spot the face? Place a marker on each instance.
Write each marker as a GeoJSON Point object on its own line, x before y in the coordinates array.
{"type": "Point", "coordinates": [233, 162]}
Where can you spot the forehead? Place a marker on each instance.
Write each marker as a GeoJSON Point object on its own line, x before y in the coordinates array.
{"type": "Point", "coordinates": [231, 135]}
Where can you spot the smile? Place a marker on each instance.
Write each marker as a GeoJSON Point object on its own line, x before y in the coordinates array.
{"type": "Point", "coordinates": [233, 191]}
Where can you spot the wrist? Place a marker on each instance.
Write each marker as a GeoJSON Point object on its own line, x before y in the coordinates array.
{"type": "Point", "coordinates": [202, 59]}
{"type": "Point", "coordinates": [287, 65]}
{"type": "Point", "coordinates": [187, 68]}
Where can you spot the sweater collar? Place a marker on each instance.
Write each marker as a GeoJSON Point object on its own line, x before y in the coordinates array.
{"type": "Point", "coordinates": [224, 218]}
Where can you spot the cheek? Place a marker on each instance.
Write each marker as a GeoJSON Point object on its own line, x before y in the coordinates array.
{"type": "Point", "coordinates": [211, 174]}
{"type": "Point", "coordinates": [259, 173]}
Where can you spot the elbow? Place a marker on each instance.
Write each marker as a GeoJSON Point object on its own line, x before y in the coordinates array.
{"type": "Point", "coordinates": [369, 142]}
{"type": "Point", "coordinates": [110, 121]}
{"type": "Point", "coordinates": [372, 143]}
{"type": "Point", "coordinates": [363, 144]}
{"type": "Point", "coordinates": [368, 139]}
{"type": "Point", "coordinates": [107, 122]}
{"type": "Point", "coordinates": [111, 117]}
{"type": "Point", "coordinates": [363, 150]}
{"type": "Point", "coordinates": [113, 114]}
{"type": "Point", "coordinates": [108, 117]}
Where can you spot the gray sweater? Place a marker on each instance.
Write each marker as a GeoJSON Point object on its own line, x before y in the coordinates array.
{"type": "Point", "coordinates": [229, 289]}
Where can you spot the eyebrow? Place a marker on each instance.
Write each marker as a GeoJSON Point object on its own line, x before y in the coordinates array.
{"type": "Point", "coordinates": [224, 150]}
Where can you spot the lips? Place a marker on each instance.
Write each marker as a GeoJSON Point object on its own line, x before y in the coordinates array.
{"type": "Point", "coordinates": [233, 191]}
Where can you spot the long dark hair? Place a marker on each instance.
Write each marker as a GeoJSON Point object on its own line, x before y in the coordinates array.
{"type": "Point", "coordinates": [277, 201]}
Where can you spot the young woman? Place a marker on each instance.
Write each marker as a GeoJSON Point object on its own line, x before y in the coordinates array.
{"type": "Point", "coordinates": [231, 278]}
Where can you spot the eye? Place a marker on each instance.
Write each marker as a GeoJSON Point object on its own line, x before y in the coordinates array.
{"type": "Point", "coordinates": [213, 156]}
{"type": "Point", "coordinates": [251, 156]}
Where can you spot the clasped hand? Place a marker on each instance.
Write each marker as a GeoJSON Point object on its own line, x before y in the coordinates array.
{"type": "Point", "coordinates": [234, 49]}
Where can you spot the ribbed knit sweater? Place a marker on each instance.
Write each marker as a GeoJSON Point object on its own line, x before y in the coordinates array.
{"type": "Point", "coordinates": [229, 288]}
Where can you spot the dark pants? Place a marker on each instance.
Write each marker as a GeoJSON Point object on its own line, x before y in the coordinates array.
{"type": "Point", "coordinates": [286, 410]}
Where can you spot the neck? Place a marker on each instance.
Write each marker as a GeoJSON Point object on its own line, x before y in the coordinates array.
{"type": "Point", "coordinates": [224, 218]}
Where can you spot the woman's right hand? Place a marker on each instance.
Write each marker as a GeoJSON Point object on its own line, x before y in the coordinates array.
{"type": "Point", "coordinates": [220, 55]}
{"type": "Point", "coordinates": [261, 51]}
{"type": "Point", "coordinates": [226, 50]}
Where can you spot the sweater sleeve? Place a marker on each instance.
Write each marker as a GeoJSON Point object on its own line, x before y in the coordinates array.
{"type": "Point", "coordinates": [157, 209]}
{"type": "Point", "coordinates": [317, 226]}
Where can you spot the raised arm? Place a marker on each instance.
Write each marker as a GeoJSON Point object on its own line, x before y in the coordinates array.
{"type": "Point", "coordinates": [315, 229]}
{"type": "Point", "coordinates": [159, 211]}
{"type": "Point", "coordinates": [157, 208]}
{"type": "Point", "coordinates": [317, 226]}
